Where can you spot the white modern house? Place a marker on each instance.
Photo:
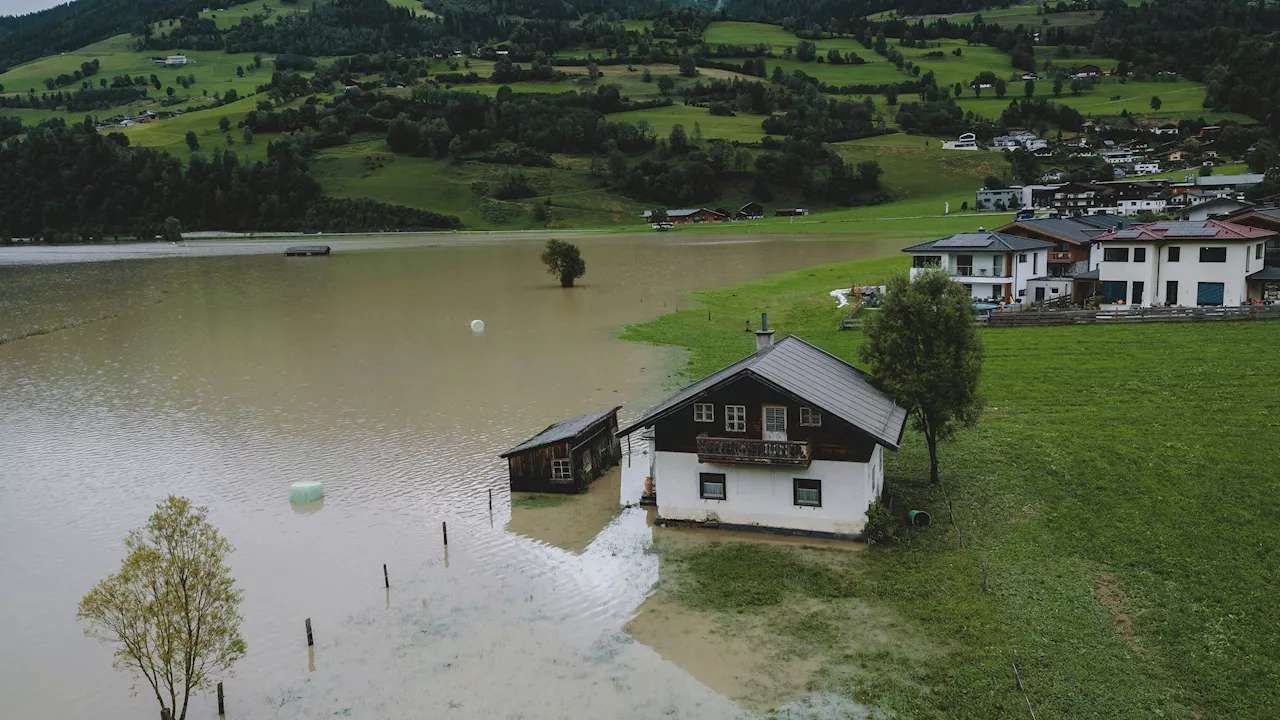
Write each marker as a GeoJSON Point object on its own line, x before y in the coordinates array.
{"type": "Point", "coordinates": [1022, 139]}
{"type": "Point", "coordinates": [790, 439]}
{"type": "Point", "coordinates": [992, 265]}
{"type": "Point", "coordinates": [1172, 263]}
{"type": "Point", "coordinates": [1006, 198]}
{"type": "Point", "coordinates": [967, 141]}
{"type": "Point", "coordinates": [1146, 168]}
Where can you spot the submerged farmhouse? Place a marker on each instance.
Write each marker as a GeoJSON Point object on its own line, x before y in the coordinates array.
{"type": "Point", "coordinates": [567, 456]}
{"type": "Point", "coordinates": [790, 439]}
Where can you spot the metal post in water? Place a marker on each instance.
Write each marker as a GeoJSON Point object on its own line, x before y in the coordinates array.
{"type": "Point", "coordinates": [222, 710]}
{"type": "Point", "coordinates": [490, 499]}
{"type": "Point", "coordinates": [444, 528]}
{"type": "Point", "coordinates": [386, 580]}
{"type": "Point", "coordinates": [310, 642]}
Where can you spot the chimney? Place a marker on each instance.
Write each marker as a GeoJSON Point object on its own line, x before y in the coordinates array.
{"type": "Point", "coordinates": [764, 336]}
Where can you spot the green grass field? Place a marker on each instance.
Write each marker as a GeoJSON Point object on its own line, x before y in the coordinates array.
{"type": "Point", "coordinates": [741, 127]}
{"type": "Point", "coordinates": [1124, 517]}
{"type": "Point", "coordinates": [215, 72]}
{"type": "Point", "coordinates": [232, 16]}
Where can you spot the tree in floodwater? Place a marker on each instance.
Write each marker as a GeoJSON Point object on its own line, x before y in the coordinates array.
{"type": "Point", "coordinates": [173, 611]}
{"type": "Point", "coordinates": [923, 349]}
{"type": "Point", "coordinates": [172, 231]}
{"type": "Point", "coordinates": [564, 260]}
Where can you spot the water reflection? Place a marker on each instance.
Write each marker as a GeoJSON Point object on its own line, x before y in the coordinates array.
{"type": "Point", "coordinates": [226, 379]}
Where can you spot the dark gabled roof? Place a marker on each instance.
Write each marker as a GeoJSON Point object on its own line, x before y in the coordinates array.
{"type": "Point", "coordinates": [1065, 228]}
{"type": "Point", "coordinates": [1106, 221]}
{"type": "Point", "coordinates": [984, 240]}
{"type": "Point", "coordinates": [812, 375]}
{"type": "Point", "coordinates": [1267, 273]}
{"type": "Point", "coordinates": [563, 430]}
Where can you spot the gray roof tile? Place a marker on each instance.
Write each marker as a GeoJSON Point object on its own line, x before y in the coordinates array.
{"type": "Point", "coordinates": [562, 430]}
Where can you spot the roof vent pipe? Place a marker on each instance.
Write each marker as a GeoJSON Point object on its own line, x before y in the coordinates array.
{"type": "Point", "coordinates": [764, 336]}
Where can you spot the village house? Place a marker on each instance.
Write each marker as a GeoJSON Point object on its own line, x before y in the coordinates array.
{"type": "Point", "coordinates": [1179, 263]}
{"type": "Point", "coordinates": [1086, 71]}
{"type": "Point", "coordinates": [1069, 257]}
{"type": "Point", "coordinates": [1146, 168]}
{"type": "Point", "coordinates": [1213, 208]}
{"type": "Point", "coordinates": [790, 212]}
{"type": "Point", "coordinates": [998, 198]}
{"type": "Point", "coordinates": [967, 141]}
{"type": "Point", "coordinates": [1019, 140]}
{"type": "Point", "coordinates": [1265, 217]}
{"type": "Point", "coordinates": [991, 265]}
{"type": "Point", "coordinates": [790, 439]}
{"type": "Point", "coordinates": [567, 456]}
{"type": "Point", "coordinates": [750, 211]}
{"type": "Point", "coordinates": [1166, 129]}
{"type": "Point", "coordinates": [689, 215]}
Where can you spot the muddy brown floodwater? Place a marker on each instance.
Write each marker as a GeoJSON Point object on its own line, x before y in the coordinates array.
{"type": "Point", "coordinates": [225, 379]}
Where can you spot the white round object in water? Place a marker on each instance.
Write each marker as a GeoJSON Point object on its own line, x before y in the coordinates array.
{"type": "Point", "coordinates": [306, 491]}
{"type": "Point", "coordinates": [477, 326]}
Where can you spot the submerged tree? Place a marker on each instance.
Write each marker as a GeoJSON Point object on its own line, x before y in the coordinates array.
{"type": "Point", "coordinates": [172, 230]}
{"type": "Point", "coordinates": [173, 611]}
{"type": "Point", "coordinates": [564, 260]}
{"type": "Point", "coordinates": [923, 349]}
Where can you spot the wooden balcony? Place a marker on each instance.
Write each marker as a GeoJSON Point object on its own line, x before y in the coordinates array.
{"type": "Point", "coordinates": [1056, 256]}
{"type": "Point", "coordinates": [742, 451]}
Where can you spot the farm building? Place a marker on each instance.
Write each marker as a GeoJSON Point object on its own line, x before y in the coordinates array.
{"type": "Point", "coordinates": [790, 440]}
{"type": "Point", "coordinates": [567, 456]}
{"type": "Point", "coordinates": [751, 211]}
{"type": "Point", "coordinates": [689, 215]}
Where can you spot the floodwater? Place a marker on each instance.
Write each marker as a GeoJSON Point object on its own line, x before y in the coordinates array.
{"type": "Point", "coordinates": [224, 379]}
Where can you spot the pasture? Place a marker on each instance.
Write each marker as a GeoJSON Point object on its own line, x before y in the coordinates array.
{"type": "Point", "coordinates": [741, 127]}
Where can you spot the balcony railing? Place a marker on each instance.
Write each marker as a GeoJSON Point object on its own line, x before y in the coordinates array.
{"type": "Point", "coordinates": [967, 271]}
{"type": "Point", "coordinates": [742, 451]}
{"type": "Point", "coordinates": [1059, 256]}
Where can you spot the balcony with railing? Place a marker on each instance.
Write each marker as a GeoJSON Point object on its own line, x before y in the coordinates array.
{"type": "Point", "coordinates": [744, 451]}
{"type": "Point", "coordinates": [972, 272]}
{"type": "Point", "coordinates": [1056, 256]}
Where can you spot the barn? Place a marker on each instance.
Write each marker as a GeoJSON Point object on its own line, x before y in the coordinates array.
{"type": "Point", "coordinates": [567, 456]}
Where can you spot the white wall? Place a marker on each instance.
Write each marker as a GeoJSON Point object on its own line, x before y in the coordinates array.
{"type": "Point", "coordinates": [1188, 271]}
{"type": "Point", "coordinates": [763, 495]}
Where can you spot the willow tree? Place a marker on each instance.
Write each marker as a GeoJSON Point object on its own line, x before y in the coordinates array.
{"type": "Point", "coordinates": [921, 346]}
{"type": "Point", "coordinates": [172, 611]}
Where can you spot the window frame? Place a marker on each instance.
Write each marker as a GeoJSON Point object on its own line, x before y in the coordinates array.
{"type": "Point", "coordinates": [926, 261]}
{"type": "Point", "coordinates": [735, 418]}
{"type": "Point", "coordinates": [1175, 253]}
{"type": "Point", "coordinates": [1257, 251]}
{"type": "Point", "coordinates": [1140, 255]}
{"type": "Point", "coordinates": [702, 485]}
{"type": "Point", "coordinates": [1215, 249]}
{"type": "Point", "coordinates": [1108, 253]}
{"type": "Point", "coordinates": [808, 415]}
{"type": "Point", "coordinates": [795, 491]}
{"type": "Point", "coordinates": [704, 412]}
{"type": "Point", "coordinates": [557, 463]}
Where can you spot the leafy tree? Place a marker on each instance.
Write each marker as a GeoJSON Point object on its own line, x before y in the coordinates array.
{"type": "Point", "coordinates": [564, 260]}
{"type": "Point", "coordinates": [1076, 86]}
{"type": "Point", "coordinates": [1057, 85]}
{"type": "Point", "coordinates": [172, 230]}
{"type": "Point", "coordinates": [959, 88]}
{"type": "Point", "coordinates": [593, 71]}
{"type": "Point", "coordinates": [169, 91]}
{"type": "Point", "coordinates": [172, 610]}
{"type": "Point", "coordinates": [193, 142]}
{"type": "Point", "coordinates": [646, 76]}
{"type": "Point", "coordinates": [687, 67]}
{"type": "Point", "coordinates": [1029, 88]}
{"type": "Point", "coordinates": [1155, 103]}
{"type": "Point", "coordinates": [922, 348]}
{"type": "Point", "coordinates": [247, 136]}
{"type": "Point", "coordinates": [239, 71]}
{"type": "Point", "coordinates": [678, 140]}
{"type": "Point", "coordinates": [224, 123]}
{"type": "Point", "coordinates": [1001, 87]}
{"type": "Point", "coordinates": [666, 84]}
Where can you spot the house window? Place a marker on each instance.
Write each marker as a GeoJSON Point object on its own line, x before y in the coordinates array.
{"type": "Point", "coordinates": [1138, 287]}
{"type": "Point", "coordinates": [1035, 263]}
{"type": "Point", "coordinates": [926, 261]}
{"type": "Point", "coordinates": [1115, 254]}
{"type": "Point", "coordinates": [810, 417]}
{"type": "Point", "coordinates": [1022, 257]}
{"type": "Point", "coordinates": [964, 264]}
{"type": "Point", "coordinates": [1213, 254]}
{"type": "Point", "coordinates": [1257, 252]}
{"type": "Point", "coordinates": [704, 412]}
{"type": "Point", "coordinates": [997, 265]}
{"type": "Point", "coordinates": [1139, 254]}
{"type": "Point", "coordinates": [561, 469]}
{"type": "Point", "coordinates": [806, 492]}
{"type": "Point", "coordinates": [735, 418]}
{"type": "Point", "coordinates": [1175, 254]}
{"type": "Point", "coordinates": [1171, 292]}
{"type": "Point", "coordinates": [1114, 291]}
{"type": "Point", "coordinates": [711, 486]}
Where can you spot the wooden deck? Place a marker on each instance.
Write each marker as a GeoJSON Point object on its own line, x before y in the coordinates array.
{"type": "Point", "coordinates": [743, 451]}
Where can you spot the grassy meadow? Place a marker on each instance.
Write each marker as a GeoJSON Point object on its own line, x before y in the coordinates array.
{"type": "Point", "coordinates": [742, 127]}
{"type": "Point", "coordinates": [1120, 494]}
{"type": "Point", "coordinates": [271, 11]}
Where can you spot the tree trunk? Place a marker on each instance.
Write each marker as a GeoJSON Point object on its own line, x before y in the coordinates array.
{"type": "Point", "coordinates": [566, 281]}
{"type": "Point", "coordinates": [932, 439]}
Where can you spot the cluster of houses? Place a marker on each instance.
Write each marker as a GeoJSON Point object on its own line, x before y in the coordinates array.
{"type": "Point", "coordinates": [142, 118]}
{"type": "Point", "coordinates": [1116, 262]}
{"type": "Point", "coordinates": [750, 211]}
{"type": "Point", "coordinates": [172, 60]}
{"type": "Point", "coordinates": [1188, 197]}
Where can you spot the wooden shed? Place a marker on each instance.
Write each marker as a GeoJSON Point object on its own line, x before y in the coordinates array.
{"type": "Point", "coordinates": [567, 456]}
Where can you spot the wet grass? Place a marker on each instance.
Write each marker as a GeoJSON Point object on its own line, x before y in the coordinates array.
{"type": "Point", "coordinates": [1120, 492]}
{"type": "Point", "coordinates": [740, 576]}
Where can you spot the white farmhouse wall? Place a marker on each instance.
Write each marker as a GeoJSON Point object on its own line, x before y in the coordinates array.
{"type": "Point", "coordinates": [1189, 272]}
{"type": "Point", "coordinates": [763, 495]}
{"type": "Point", "coordinates": [1131, 272]}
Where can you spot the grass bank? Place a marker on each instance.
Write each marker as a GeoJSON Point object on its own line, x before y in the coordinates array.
{"type": "Point", "coordinates": [1120, 492]}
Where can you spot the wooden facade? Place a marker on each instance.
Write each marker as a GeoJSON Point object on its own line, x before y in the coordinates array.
{"type": "Point", "coordinates": [834, 439]}
{"type": "Point", "coordinates": [566, 457]}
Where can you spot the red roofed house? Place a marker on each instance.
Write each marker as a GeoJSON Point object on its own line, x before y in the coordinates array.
{"type": "Point", "coordinates": [1187, 263]}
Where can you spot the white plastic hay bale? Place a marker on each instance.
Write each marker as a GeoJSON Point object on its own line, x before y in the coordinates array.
{"type": "Point", "coordinates": [477, 326]}
{"type": "Point", "coordinates": [306, 491]}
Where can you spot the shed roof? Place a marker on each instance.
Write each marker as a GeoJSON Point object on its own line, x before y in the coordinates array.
{"type": "Point", "coordinates": [1065, 228]}
{"type": "Point", "coordinates": [563, 430]}
{"type": "Point", "coordinates": [985, 240]}
{"type": "Point", "coordinates": [811, 374]}
{"type": "Point", "coordinates": [1267, 273]}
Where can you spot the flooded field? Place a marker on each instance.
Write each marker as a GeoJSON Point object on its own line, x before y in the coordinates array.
{"type": "Point", "coordinates": [224, 379]}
